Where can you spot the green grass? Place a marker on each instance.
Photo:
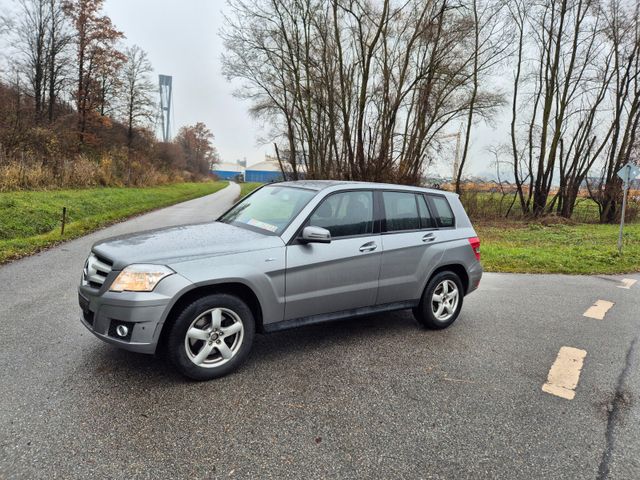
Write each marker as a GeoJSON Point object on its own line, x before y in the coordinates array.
{"type": "Point", "coordinates": [30, 220]}
{"type": "Point", "coordinates": [247, 188]}
{"type": "Point", "coordinates": [558, 248]}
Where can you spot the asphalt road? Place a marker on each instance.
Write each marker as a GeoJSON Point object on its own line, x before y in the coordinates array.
{"type": "Point", "coordinates": [375, 397]}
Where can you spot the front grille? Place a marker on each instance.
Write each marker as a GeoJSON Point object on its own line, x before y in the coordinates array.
{"type": "Point", "coordinates": [96, 270]}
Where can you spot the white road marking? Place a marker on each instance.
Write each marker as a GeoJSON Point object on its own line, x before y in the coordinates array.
{"type": "Point", "coordinates": [627, 283]}
{"type": "Point", "coordinates": [598, 310]}
{"type": "Point", "coordinates": [565, 372]}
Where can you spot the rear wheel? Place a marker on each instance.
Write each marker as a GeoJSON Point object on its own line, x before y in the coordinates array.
{"type": "Point", "coordinates": [441, 301]}
{"type": "Point", "coordinates": [211, 337]}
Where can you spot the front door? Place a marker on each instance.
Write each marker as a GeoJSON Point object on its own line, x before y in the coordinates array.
{"type": "Point", "coordinates": [341, 275]}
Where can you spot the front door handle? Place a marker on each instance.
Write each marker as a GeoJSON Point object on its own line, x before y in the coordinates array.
{"type": "Point", "coordinates": [368, 247]}
{"type": "Point", "coordinates": [428, 237]}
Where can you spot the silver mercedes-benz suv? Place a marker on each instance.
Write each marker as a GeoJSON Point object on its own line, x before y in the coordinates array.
{"type": "Point", "coordinates": [287, 255]}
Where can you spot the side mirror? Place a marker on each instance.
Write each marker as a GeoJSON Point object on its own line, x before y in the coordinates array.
{"type": "Point", "coordinates": [315, 235]}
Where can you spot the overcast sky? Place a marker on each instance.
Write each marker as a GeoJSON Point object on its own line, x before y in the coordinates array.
{"type": "Point", "coordinates": [181, 38]}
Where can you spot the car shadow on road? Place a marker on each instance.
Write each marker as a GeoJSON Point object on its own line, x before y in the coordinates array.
{"type": "Point", "coordinates": [108, 362]}
{"type": "Point", "coordinates": [353, 332]}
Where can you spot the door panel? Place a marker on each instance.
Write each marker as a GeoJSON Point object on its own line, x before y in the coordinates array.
{"type": "Point", "coordinates": [406, 261]}
{"type": "Point", "coordinates": [343, 274]}
{"type": "Point", "coordinates": [326, 278]}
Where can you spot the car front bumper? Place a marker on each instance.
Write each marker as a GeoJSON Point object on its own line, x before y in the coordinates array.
{"type": "Point", "coordinates": [142, 313]}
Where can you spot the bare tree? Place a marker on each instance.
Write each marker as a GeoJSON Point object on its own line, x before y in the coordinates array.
{"type": "Point", "coordinates": [553, 94]}
{"type": "Point", "coordinates": [137, 91]}
{"type": "Point", "coordinates": [623, 32]}
{"type": "Point", "coordinates": [357, 89]}
{"type": "Point", "coordinates": [58, 42]}
{"type": "Point", "coordinates": [489, 49]}
{"type": "Point", "coordinates": [518, 13]}
{"type": "Point", "coordinates": [31, 43]}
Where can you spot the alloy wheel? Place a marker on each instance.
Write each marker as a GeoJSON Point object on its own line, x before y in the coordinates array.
{"type": "Point", "coordinates": [214, 337]}
{"type": "Point", "coordinates": [444, 300]}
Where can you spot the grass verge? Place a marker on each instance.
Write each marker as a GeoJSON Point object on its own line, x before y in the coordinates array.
{"type": "Point", "coordinates": [247, 188]}
{"type": "Point", "coordinates": [585, 249]}
{"type": "Point", "coordinates": [30, 220]}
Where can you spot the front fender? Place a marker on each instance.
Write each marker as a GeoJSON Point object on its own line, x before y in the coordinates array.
{"type": "Point", "coordinates": [262, 271]}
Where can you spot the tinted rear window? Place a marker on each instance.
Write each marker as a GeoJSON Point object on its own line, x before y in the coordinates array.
{"type": "Point", "coordinates": [401, 211]}
{"type": "Point", "coordinates": [442, 211]}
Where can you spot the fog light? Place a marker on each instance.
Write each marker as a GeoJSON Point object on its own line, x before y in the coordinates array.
{"type": "Point", "coordinates": [122, 330]}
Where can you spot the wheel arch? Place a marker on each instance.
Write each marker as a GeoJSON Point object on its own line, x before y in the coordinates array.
{"type": "Point", "coordinates": [237, 289]}
{"type": "Point", "coordinates": [456, 268]}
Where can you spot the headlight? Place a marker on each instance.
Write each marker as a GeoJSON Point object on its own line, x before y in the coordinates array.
{"type": "Point", "coordinates": [140, 278]}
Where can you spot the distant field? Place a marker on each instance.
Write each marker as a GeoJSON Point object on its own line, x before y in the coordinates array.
{"type": "Point", "coordinates": [494, 205]}
{"type": "Point", "coordinates": [30, 220]}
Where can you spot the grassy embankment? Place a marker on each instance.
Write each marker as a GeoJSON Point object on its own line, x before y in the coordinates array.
{"type": "Point", "coordinates": [532, 247]}
{"type": "Point", "coordinates": [30, 220]}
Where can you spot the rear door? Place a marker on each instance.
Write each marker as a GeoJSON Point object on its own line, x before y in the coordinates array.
{"type": "Point", "coordinates": [410, 244]}
{"type": "Point", "coordinates": [341, 275]}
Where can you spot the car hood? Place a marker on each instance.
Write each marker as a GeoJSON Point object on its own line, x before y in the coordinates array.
{"type": "Point", "coordinates": [186, 242]}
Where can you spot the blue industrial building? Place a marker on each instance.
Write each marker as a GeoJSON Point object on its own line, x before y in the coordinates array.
{"type": "Point", "coordinates": [228, 171]}
{"type": "Point", "coordinates": [263, 172]}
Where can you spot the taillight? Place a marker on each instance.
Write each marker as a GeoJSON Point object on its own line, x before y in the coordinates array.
{"type": "Point", "coordinates": [475, 246]}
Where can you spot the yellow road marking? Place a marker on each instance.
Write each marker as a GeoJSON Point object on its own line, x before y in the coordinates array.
{"type": "Point", "coordinates": [627, 283]}
{"type": "Point", "coordinates": [565, 372]}
{"type": "Point", "coordinates": [598, 310]}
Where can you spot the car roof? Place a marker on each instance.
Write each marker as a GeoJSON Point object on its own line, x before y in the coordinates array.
{"type": "Point", "coordinates": [324, 184]}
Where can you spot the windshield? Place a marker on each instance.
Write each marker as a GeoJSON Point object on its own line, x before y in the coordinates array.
{"type": "Point", "coordinates": [270, 209]}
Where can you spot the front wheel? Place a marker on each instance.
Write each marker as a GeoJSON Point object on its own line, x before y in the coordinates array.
{"type": "Point", "coordinates": [441, 301]}
{"type": "Point", "coordinates": [211, 337]}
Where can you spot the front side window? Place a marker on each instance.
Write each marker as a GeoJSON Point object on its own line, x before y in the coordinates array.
{"type": "Point", "coordinates": [401, 211]}
{"type": "Point", "coordinates": [345, 214]}
{"type": "Point", "coordinates": [270, 209]}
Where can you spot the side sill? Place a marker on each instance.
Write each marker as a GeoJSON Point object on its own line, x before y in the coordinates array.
{"type": "Point", "coordinates": [332, 317]}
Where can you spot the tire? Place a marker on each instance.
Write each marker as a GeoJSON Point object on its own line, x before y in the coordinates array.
{"type": "Point", "coordinates": [201, 350]}
{"type": "Point", "coordinates": [426, 313]}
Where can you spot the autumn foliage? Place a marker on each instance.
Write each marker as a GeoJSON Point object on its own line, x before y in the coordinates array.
{"type": "Point", "coordinates": [77, 106]}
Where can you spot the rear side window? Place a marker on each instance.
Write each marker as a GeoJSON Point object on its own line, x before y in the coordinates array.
{"type": "Point", "coordinates": [401, 211]}
{"type": "Point", "coordinates": [345, 214]}
{"type": "Point", "coordinates": [442, 211]}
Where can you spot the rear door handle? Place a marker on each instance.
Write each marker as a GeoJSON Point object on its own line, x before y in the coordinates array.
{"type": "Point", "coordinates": [428, 237]}
{"type": "Point", "coordinates": [368, 247]}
